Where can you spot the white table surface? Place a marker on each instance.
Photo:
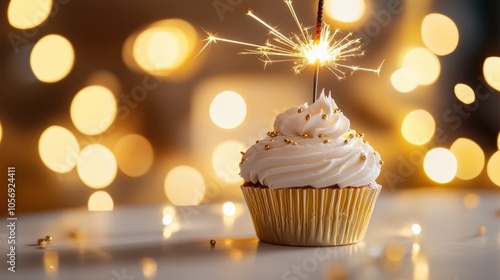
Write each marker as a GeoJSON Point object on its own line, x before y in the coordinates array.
{"type": "Point", "coordinates": [132, 243]}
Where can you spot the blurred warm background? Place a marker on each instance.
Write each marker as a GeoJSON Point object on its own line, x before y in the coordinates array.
{"type": "Point", "coordinates": [105, 103]}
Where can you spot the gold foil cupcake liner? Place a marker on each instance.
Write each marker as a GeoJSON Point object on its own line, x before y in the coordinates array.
{"type": "Point", "coordinates": [310, 216]}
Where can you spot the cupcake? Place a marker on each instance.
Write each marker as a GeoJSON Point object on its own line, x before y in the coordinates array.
{"type": "Point", "coordinates": [311, 181]}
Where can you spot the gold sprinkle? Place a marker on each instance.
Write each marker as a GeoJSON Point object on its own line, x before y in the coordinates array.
{"type": "Point", "coordinates": [481, 230]}
{"type": "Point", "coordinates": [42, 243]}
{"type": "Point", "coordinates": [301, 110]}
{"type": "Point", "coordinates": [360, 135]}
{"type": "Point", "coordinates": [363, 157]}
{"type": "Point", "coordinates": [326, 141]}
{"type": "Point", "coordinates": [346, 141]}
{"type": "Point", "coordinates": [336, 111]}
{"type": "Point", "coordinates": [288, 141]}
{"type": "Point", "coordinates": [273, 133]}
{"type": "Point", "coordinates": [366, 142]}
{"type": "Point", "coordinates": [321, 135]}
{"type": "Point", "coordinates": [212, 243]}
{"type": "Point", "coordinates": [257, 142]}
{"type": "Point", "coordinates": [350, 135]}
{"type": "Point", "coordinates": [305, 135]}
{"type": "Point", "coordinates": [381, 162]}
{"type": "Point", "coordinates": [272, 140]}
{"type": "Point", "coordinates": [48, 239]}
{"type": "Point", "coordinates": [242, 153]}
{"type": "Point", "coordinates": [267, 147]}
{"type": "Point", "coordinates": [308, 116]}
{"type": "Point", "coordinates": [324, 116]}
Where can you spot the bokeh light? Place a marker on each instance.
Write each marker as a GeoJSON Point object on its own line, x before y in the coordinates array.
{"type": "Point", "coordinates": [93, 110]}
{"type": "Point", "coordinates": [51, 262]}
{"type": "Point", "coordinates": [169, 210]}
{"type": "Point", "coordinates": [150, 49]}
{"type": "Point", "coordinates": [493, 168]}
{"type": "Point", "coordinates": [470, 158]}
{"type": "Point", "coordinates": [52, 58]}
{"type": "Point", "coordinates": [134, 155]}
{"type": "Point", "coordinates": [464, 93]}
{"type": "Point", "coordinates": [228, 110]}
{"type": "Point", "coordinates": [164, 45]}
{"type": "Point", "coordinates": [235, 254]}
{"type": "Point", "coordinates": [498, 140]}
{"type": "Point", "coordinates": [149, 268]}
{"type": "Point", "coordinates": [471, 200]}
{"type": "Point", "coordinates": [404, 80]}
{"type": "Point", "coordinates": [25, 14]}
{"type": "Point", "coordinates": [421, 265]}
{"type": "Point", "coordinates": [418, 127]}
{"type": "Point", "coordinates": [1, 132]}
{"type": "Point", "coordinates": [168, 215]}
{"type": "Point", "coordinates": [395, 252]}
{"type": "Point", "coordinates": [481, 230]}
{"type": "Point", "coordinates": [416, 249]}
{"type": "Point", "coordinates": [167, 220]}
{"type": "Point", "coordinates": [229, 209]}
{"type": "Point", "coordinates": [184, 186]}
{"type": "Point", "coordinates": [100, 201]}
{"type": "Point", "coordinates": [345, 10]}
{"type": "Point", "coordinates": [97, 166]}
{"type": "Point", "coordinates": [416, 229]}
{"type": "Point", "coordinates": [439, 33]}
{"type": "Point", "coordinates": [440, 165]}
{"type": "Point", "coordinates": [491, 71]}
{"type": "Point", "coordinates": [425, 64]}
{"type": "Point", "coordinates": [167, 232]}
{"type": "Point", "coordinates": [59, 149]}
{"type": "Point", "coordinates": [226, 159]}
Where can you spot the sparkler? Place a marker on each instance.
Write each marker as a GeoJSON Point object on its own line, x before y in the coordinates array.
{"type": "Point", "coordinates": [303, 50]}
{"type": "Point", "coordinates": [317, 41]}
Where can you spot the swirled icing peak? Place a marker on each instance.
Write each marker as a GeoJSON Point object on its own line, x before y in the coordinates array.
{"type": "Point", "coordinates": [311, 146]}
{"type": "Point", "coordinates": [322, 118]}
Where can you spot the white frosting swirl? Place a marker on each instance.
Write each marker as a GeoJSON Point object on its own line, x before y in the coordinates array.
{"type": "Point", "coordinates": [311, 146]}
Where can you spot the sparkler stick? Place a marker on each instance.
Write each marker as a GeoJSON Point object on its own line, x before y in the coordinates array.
{"type": "Point", "coordinates": [317, 40]}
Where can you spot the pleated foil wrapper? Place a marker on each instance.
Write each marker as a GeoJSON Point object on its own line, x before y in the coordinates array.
{"type": "Point", "coordinates": [310, 216]}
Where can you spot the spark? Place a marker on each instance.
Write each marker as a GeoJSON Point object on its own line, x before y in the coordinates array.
{"type": "Point", "coordinates": [332, 51]}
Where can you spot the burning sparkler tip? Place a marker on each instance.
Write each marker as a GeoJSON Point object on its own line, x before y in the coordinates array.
{"type": "Point", "coordinates": [380, 67]}
{"type": "Point", "coordinates": [211, 38]}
